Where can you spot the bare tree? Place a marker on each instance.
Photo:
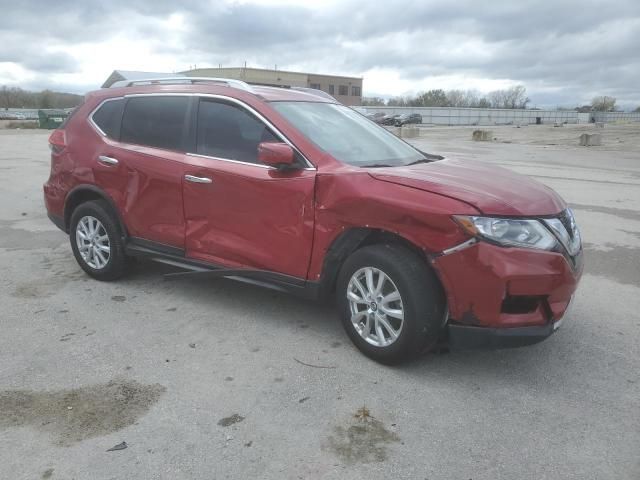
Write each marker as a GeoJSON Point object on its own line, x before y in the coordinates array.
{"type": "Point", "coordinates": [603, 104]}
{"type": "Point", "coordinates": [456, 98]}
{"type": "Point", "coordinates": [432, 98]}
{"type": "Point", "coordinates": [15, 97]}
{"type": "Point", "coordinates": [514, 97]}
{"type": "Point", "coordinates": [372, 101]}
{"type": "Point", "coordinates": [397, 102]}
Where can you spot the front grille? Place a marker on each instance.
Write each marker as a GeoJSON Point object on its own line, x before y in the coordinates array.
{"type": "Point", "coordinates": [566, 231]}
{"type": "Point", "coordinates": [565, 218]}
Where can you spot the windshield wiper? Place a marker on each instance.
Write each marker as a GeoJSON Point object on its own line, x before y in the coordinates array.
{"type": "Point", "coordinates": [376, 165]}
{"type": "Point", "coordinates": [422, 160]}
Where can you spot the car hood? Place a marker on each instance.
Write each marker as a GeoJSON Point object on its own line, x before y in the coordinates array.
{"type": "Point", "coordinates": [490, 189]}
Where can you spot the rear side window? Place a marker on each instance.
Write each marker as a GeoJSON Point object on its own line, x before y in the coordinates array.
{"type": "Point", "coordinates": [226, 131]}
{"type": "Point", "coordinates": [108, 117]}
{"type": "Point", "coordinates": [155, 121]}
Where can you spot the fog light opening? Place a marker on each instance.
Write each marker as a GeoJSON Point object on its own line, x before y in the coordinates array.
{"type": "Point", "coordinates": [519, 304]}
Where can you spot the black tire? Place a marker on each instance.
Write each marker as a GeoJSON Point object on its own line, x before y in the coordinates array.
{"type": "Point", "coordinates": [423, 301]}
{"type": "Point", "coordinates": [116, 265]}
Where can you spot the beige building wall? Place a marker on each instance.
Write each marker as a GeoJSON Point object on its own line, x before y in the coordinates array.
{"type": "Point", "coordinates": [253, 75]}
{"type": "Point", "coordinates": [347, 90]}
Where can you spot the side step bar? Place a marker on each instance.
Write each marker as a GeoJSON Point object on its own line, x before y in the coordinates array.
{"type": "Point", "coordinates": [175, 257]}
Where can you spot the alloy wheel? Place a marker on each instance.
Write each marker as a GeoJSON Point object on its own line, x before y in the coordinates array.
{"type": "Point", "coordinates": [93, 242]}
{"type": "Point", "coordinates": [376, 307]}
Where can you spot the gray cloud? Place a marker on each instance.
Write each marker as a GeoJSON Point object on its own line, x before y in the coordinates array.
{"type": "Point", "coordinates": [564, 51]}
{"type": "Point", "coordinates": [17, 48]}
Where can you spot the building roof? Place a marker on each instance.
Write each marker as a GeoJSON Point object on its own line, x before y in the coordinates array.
{"type": "Point", "coordinates": [198, 71]}
{"type": "Point", "coordinates": [118, 75]}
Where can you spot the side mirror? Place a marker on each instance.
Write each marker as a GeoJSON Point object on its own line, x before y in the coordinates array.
{"type": "Point", "coordinates": [279, 155]}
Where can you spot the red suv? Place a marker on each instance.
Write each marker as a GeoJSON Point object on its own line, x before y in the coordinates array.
{"type": "Point", "coordinates": [288, 189]}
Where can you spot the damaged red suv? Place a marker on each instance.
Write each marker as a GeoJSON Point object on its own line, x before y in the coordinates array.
{"type": "Point", "coordinates": [288, 189]}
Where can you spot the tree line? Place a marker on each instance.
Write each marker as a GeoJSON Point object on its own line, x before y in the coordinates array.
{"type": "Point", "coordinates": [514, 97]}
{"type": "Point", "coordinates": [16, 97]}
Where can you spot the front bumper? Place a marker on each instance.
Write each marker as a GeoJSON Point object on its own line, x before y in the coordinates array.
{"type": "Point", "coordinates": [465, 337]}
{"type": "Point", "coordinates": [501, 297]}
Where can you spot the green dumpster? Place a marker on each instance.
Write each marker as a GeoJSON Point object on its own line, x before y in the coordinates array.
{"type": "Point", "coordinates": [51, 118]}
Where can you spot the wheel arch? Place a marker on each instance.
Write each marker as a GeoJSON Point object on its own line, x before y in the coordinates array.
{"type": "Point", "coordinates": [353, 239]}
{"type": "Point", "coordinates": [86, 193]}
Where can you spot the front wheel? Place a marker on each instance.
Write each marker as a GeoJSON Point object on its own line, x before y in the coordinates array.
{"type": "Point", "coordinates": [391, 304]}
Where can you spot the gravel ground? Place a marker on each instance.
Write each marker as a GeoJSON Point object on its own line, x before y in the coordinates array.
{"type": "Point", "coordinates": [217, 379]}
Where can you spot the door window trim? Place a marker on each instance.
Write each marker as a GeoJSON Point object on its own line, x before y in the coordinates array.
{"type": "Point", "coordinates": [240, 103]}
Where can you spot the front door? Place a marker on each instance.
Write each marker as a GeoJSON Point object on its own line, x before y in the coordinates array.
{"type": "Point", "coordinates": [239, 212]}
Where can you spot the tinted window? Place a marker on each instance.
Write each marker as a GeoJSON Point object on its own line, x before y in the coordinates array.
{"type": "Point", "coordinates": [155, 121]}
{"type": "Point", "coordinates": [227, 131]}
{"type": "Point", "coordinates": [108, 117]}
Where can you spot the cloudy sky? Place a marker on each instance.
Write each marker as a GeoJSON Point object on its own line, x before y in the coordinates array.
{"type": "Point", "coordinates": [563, 51]}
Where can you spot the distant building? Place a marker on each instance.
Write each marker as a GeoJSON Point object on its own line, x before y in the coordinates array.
{"type": "Point", "coordinates": [119, 75]}
{"type": "Point", "coordinates": [347, 90]}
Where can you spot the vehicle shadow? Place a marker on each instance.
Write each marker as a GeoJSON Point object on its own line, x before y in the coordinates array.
{"type": "Point", "coordinates": [546, 367]}
{"type": "Point", "coordinates": [248, 299]}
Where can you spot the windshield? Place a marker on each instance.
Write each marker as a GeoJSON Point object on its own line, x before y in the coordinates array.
{"type": "Point", "coordinates": [347, 135]}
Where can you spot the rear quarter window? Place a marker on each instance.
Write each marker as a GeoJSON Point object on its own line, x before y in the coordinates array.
{"type": "Point", "coordinates": [108, 116]}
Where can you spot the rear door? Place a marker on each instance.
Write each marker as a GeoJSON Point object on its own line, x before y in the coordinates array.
{"type": "Point", "coordinates": [239, 212]}
{"type": "Point", "coordinates": [150, 158]}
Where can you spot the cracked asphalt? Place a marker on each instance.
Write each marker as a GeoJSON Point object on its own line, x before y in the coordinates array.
{"type": "Point", "coordinates": [208, 378]}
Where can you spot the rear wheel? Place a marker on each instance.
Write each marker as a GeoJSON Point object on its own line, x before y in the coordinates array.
{"type": "Point", "coordinates": [391, 304]}
{"type": "Point", "coordinates": [97, 241]}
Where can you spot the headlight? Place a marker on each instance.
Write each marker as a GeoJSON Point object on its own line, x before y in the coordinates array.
{"type": "Point", "coordinates": [508, 231]}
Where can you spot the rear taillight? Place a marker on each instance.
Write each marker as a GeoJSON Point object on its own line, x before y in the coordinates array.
{"type": "Point", "coordinates": [57, 141]}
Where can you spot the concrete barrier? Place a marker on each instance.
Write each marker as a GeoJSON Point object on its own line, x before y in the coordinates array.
{"type": "Point", "coordinates": [409, 132]}
{"type": "Point", "coordinates": [482, 135]}
{"type": "Point", "coordinates": [590, 140]}
{"type": "Point", "coordinates": [394, 130]}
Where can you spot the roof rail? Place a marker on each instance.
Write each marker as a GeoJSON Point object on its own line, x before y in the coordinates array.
{"type": "Point", "coordinates": [312, 91]}
{"type": "Point", "coordinates": [178, 80]}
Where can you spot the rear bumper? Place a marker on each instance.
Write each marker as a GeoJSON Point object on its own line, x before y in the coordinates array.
{"type": "Point", "coordinates": [465, 337]}
{"type": "Point", "coordinates": [57, 221]}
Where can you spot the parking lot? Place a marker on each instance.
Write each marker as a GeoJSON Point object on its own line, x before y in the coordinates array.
{"type": "Point", "coordinates": [207, 378]}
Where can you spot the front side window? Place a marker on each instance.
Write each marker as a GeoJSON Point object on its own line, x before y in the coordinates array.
{"type": "Point", "coordinates": [347, 135]}
{"type": "Point", "coordinates": [108, 117]}
{"type": "Point", "coordinates": [155, 121]}
{"type": "Point", "coordinates": [229, 132]}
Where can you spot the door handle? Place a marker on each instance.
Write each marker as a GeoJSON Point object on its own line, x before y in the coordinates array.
{"type": "Point", "coordinates": [107, 160]}
{"type": "Point", "coordinates": [193, 179]}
